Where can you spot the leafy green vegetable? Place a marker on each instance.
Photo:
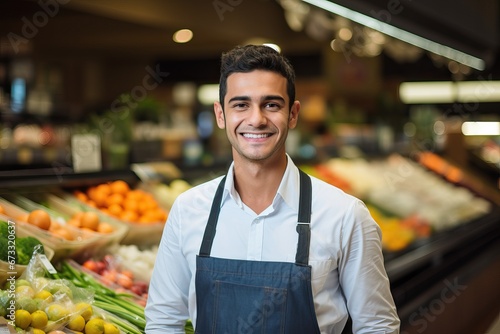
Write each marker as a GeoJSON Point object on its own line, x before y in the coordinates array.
{"type": "Point", "coordinates": [4, 250]}
{"type": "Point", "coordinates": [25, 247]}
{"type": "Point", "coordinates": [4, 229]}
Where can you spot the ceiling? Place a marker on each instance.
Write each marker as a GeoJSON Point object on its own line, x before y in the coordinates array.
{"type": "Point", "coordinates": [132, 28]}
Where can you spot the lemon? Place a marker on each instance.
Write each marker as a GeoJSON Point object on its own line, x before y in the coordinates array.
{"type": "Point", "coordinates": [39, 319]}
{"type": "Point", "coordinates": [25, 291]}
{"type": "Point", "coordinates": [56, 312]}
{"type": "Point", "coordinates": [110, 329]}
{"type": "Point", "coordinates": [60, 289]}
{"type": "Point", "coordinates": [84, 309]}
{"type": "Point", "coordinates": [94, 326]}
{"type": "Point", "coordinates": [37, 331]}
{"type": "Point", "coordinates": [76, 323]}
{"type": "Point", "coordinates": [44, 295]}
{"type": "Point", "coordinates": [23, 319]}
{"type": "Point", "coordinates": [27, 304]}
{"type": "Point", "coordinates": [22, 282]}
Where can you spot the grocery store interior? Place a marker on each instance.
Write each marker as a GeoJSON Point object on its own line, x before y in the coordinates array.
{"type": "Point", "coordinates": [106, 116]}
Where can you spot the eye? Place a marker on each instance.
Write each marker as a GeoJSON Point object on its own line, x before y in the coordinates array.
{"type": "Point", "coordinates": [239, 105]}
{"type": "Point", "coordinates": [273, 106]}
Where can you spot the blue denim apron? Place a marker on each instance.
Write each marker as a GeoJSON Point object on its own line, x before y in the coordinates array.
{"type": "Point", "coordinates": [240, 296]}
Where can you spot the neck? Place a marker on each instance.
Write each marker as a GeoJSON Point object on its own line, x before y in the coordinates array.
{"type": "Point", "coordinates": [258, 183]}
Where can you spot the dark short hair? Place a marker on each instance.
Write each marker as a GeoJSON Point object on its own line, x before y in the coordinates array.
{"type": "Point", "coordinates": [244, 59]}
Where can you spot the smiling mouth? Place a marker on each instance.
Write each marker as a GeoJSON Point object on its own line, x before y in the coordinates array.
{"type": "Point", "coordinates": [256, 135]}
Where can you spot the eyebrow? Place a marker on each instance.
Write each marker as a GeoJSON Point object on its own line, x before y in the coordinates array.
{"type": "Point", "coordinates": [264, 98]}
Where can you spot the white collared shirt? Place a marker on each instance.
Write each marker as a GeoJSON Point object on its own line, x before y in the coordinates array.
{"type": "Point", "coordinates": [345, 253]}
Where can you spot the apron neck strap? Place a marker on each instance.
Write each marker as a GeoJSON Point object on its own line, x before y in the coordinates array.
{"type": "Point", "coordinates": [304, 220]}
{"type": "Point", "coordinates": [303, 225]}
{"type": "Point", "coordinates": [208, 237]}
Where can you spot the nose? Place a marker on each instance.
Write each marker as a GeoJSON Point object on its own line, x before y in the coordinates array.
{"type": "Point", "coordinates": [257, 117]}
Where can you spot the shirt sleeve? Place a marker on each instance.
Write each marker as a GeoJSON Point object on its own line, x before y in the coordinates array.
{"type": "Point", "coordinates": [362, 274]}
{"type": "Point", "coordinates": [167, 307]}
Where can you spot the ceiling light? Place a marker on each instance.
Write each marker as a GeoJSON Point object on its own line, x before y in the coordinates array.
{"type": "Point", "coordinates": [426, 92]}
{"type": "Point", "coordinates": [207, 94]}
{"type": "Point", "coordinates": [478, 91]}
{"type": "Point", "coordinates": [400, 34]}
{"type": "Point", "coordinates": [345, 34]}
{"type": "Point", "coordinates": [183, 36]}
{"type": "Point", "coordinates": [481, 128]}
{"type": "Point", "coordinates": [449, 92]}
{"type": "Point", "coordinates": [336, 45]}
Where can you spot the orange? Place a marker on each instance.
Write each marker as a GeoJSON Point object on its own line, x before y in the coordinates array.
{"type": "Point", "coordinates": [105, 228]}
{"type": "Point", "coordinates": [23, 217]}
{"type": "Point", "coordinates": [99, 197]}
{"type": "Point", "coordinates": [81, 196]}
{"type": "Point", "coordinates": [2, 210]}
{"type": "Point", "coordinates": [91, 192]}
{"type": "Point", "coordinates": [54, 225]}
{"type": "Point", "coordinates": [130, 216]}
{"type": "Point", "coordinates": [104, 188]}
{"type": "Point", "coordinates": [90, 220]}
{"type": "Point", "coordinates": [74, 222]}
{"type": "Point", "coordinates": [147, 205]}
{"type": "Point", "coordinates": [115, 210]}
{"type": "Point", "coordinates": [63, 233]}
{"type": "Point", "coordinates": [119, 187]}
{"type": "Point", "coordinates": [40, 219]}
{"type": "Point", "coordinates": [134, 194]}
{"type": "Point", "coordinates": [77, 216]}
{"type": "Point", "coordinates": [148, 217]}
{"type": "Point", "coordinates": [114, 199]}
{"type": "Point", "coordinates": [130, 204]}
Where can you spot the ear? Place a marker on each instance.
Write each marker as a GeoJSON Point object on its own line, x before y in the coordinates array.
{"type": "Point", "coordinates": [294, 115]}
{"type": "Point", "coordinates": [219, 115]}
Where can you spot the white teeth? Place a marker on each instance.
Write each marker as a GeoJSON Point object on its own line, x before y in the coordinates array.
{"type": "Point", "coordinates": [253, 135]}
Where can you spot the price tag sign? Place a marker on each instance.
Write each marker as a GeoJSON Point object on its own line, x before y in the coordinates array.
{"type": "Point", "coordinates": [46, 263]}
{"type": "Point", "coordinates": [154, 171]}
{"type": "Point", "coordinates": [86, 153]}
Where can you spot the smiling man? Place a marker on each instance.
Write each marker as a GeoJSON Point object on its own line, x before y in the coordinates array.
{"type": "Point", "coordinates": [267, 248]}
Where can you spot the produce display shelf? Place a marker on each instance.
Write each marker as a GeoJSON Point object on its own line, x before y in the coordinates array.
{"type": "Point", "coordinates": [414, 271]}
{"type": "Point", "coordinates": [410, 271]}
{"type": "Point", "coordinates": [61, 176]}
{"type": "Point", "coordinates": [479, 230]}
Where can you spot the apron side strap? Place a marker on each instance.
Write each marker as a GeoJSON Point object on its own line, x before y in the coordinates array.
{"type": "Point", "coordinates": [304, 220]}
{"type": "Point", "coordinates": [208, 236]}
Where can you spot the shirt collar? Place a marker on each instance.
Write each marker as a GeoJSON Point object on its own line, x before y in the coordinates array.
{"type": "Point", "coordinates": [288, 189]}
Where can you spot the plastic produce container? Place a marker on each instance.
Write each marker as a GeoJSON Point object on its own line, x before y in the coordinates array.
{"type": "Point", "coordinates": [140, 234]}
{"type": "Point", "coordinates": [64, 210]}
{"type": "Point", "coordinates": [83, 244]}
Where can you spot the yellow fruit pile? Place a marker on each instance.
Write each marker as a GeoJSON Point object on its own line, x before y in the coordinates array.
{"type": "Point", "coordinates": [396, 236]}
{"type": "Point", "coordinates": [81, 321]}
{"type": "Point", "coordinates": [38, 311]}
{"type": "Point", "coordinates": [119, 200]}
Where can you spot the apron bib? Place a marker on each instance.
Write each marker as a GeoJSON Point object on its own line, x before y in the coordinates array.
{"type": "Point", "coordinates": [240, 296]}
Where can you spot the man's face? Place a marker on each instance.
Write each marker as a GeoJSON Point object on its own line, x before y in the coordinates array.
{"type": "Point", "coordinates": [257, 114]}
